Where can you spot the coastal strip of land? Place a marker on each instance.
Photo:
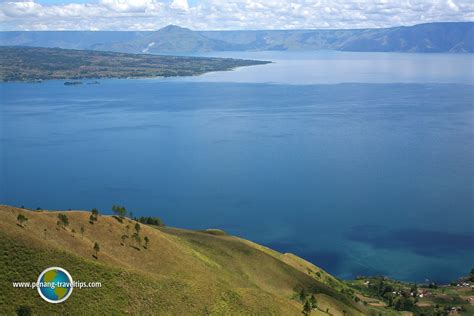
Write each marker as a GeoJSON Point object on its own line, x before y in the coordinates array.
{"type": "Point", "coordinates": [35, 64]}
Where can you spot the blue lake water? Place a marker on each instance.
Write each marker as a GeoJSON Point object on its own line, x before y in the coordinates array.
{"type": "Point", "coordinates": [361, 163]}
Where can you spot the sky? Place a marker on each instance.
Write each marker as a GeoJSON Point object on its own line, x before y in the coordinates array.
{"type": "Point", "coordinates": [226, 14]}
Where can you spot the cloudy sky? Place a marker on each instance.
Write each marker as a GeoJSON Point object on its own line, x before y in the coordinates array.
{"type": "Point", "coordinates": [226, 14]}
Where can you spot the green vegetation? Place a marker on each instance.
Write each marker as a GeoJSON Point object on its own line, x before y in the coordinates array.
{"type": "Point", "coordinates": [119, 211]}
{"type": "Point", "coordinates": [427, 299]}
{"type": "Point", "coordinates": [137, 228]}
{"type": "Point", "coordinates": [181, 272]}
{"type": "Point", "coordinates": [24, 311]}
{"type": "Point", "coordinates": [94, 216]}
{"type": "Point", "coordinates": [150, 220]}
{"type": "Point", "coordinates": [96, 250]}
{"type": "Point", "coordinates": [21, 219]}
{"type": "Point", "coordinates": [63, 220]}
{"type": "Point", "coordinates": [31, 63]}
{"type": "Point", "coordinates": [191, 272]}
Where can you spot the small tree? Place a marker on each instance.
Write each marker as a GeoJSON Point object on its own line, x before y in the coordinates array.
{"type": "Point", "coordinates": [119, 210]}
{"type": "Point", "coordinates": [147, 240]}
{"type": "Point", "coordinates": [95, 212]}
{"type": "Point", "coordinates": [137, 238]}
{"type": "Point", "coordinates": [21, 219]}
{"type": "Point", "coordinates": [63, 220]}
{"type": "Point", "coordinates": [96, 249]}
{"type": "Point", "coordinates": [137, 228]}
{"type": "Point", "coordinates": [302, 295]}
{"type": "Point", "coordinates": [313, 301]}
{"type": "Point", "coordinates": [82, 231]}
{"type": "Point", "coordinates": [307, 308]}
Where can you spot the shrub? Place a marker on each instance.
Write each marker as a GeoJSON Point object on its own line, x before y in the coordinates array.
{"type": "Point", "coordinates": [150, 221]}
{"type": "Point", "coordinates": [119, 210]}
{"type": "Point", "coordinates": [63, 220]}
{"type": "Point", "coordinates": [21, 219]}
{"type": "Point", "coordinates": [24, 311]}
{"type": "Point", "coordinates": [96, 249]}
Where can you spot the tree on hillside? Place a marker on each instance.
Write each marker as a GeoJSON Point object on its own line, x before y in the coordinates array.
{"type": "Point", "coordinates": [150, 221]}
{"type": "Point", "coordinates": [414, 289]}
{"type": "Point", "coordinates": [137, 238]}
{"type": "Point", "coordinates": [63, 220]}
{"type": "Point", "coordinates": [21, 219]}
{"type": "Point", "coordinates": [137, 228]}
{"type": "Point", "coordinates": [96, 249]}
{"type": "Point", "coordinates": [95, 212]}
{"type": "Point", "coordinates": [313, 301]}
{"type": "Point", "coordinates": [119, 210]}
{"type": "Point", "coordinates": [147, 240]}
{"type": "Point", "coordinates": [302, 295]}
{"type": "Point", "coordinates": [82, 231]}
{"type": "Point", "coordinates": [307, 308]}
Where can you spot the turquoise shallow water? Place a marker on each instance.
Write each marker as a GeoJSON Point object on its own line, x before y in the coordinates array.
{"type": "Point", "coordinates": [360, 178]}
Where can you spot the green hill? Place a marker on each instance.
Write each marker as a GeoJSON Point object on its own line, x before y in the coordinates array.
{"type": "Point", "coordinates": [184, 272]}
{"type": "Point", "coordinates": [180, 272]}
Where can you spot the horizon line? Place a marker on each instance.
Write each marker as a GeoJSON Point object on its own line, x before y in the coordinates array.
{"type": "Point", "coordinates": [245, 30]}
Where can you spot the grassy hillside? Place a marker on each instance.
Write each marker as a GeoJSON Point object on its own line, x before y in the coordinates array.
{"type": "Point", "coordinates": [32, 63]}
{"type": "Point", "coordinates": [180, 272]}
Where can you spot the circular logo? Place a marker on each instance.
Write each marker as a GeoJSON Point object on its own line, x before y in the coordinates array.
{"type": "Point", "coordinates": [55, 285]}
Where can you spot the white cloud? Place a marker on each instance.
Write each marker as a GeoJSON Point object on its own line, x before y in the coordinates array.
{"type": "Point", "coordinates": [130, 6]}
{"type": "Point", "coordinates": [229, 14]}
{"type": "Point", "coordinates": [180, 5]}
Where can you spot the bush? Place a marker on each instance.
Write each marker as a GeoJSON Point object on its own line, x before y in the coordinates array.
{"type": "Point", "coordinates": [150, 221]}
{"type": "Point", "coordinates": [63, 220]}
{"type": "Point", "coordinates": [24, 311]}
{"type": "Point", "coordinates": [21, 219]}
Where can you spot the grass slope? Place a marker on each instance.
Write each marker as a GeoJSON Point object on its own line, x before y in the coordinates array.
{"type": "Point", "coordinates": [181, 272]}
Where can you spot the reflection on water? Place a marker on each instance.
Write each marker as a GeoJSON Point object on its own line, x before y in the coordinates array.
{"type": "Point", "coordinates": [329, 67]}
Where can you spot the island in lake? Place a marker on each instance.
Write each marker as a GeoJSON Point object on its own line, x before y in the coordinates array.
{"type": "Point", "coordinates": [35, 63]}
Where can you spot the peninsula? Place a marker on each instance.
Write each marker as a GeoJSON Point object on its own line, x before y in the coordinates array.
{"type": "Point", "coordinates": [34, 63]}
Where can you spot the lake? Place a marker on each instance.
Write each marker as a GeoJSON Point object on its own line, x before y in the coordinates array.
{"type": "Point", "coordinates": [362, 163]}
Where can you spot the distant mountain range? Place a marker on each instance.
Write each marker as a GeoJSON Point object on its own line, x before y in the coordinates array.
{"type": "Point", "coordinates": [443, 37]}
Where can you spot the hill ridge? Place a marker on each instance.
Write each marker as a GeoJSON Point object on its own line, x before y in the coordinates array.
{"type": "Point", "coordinates": [436, 37]}
{"type": "Point", "coordinates": [221, 273]}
